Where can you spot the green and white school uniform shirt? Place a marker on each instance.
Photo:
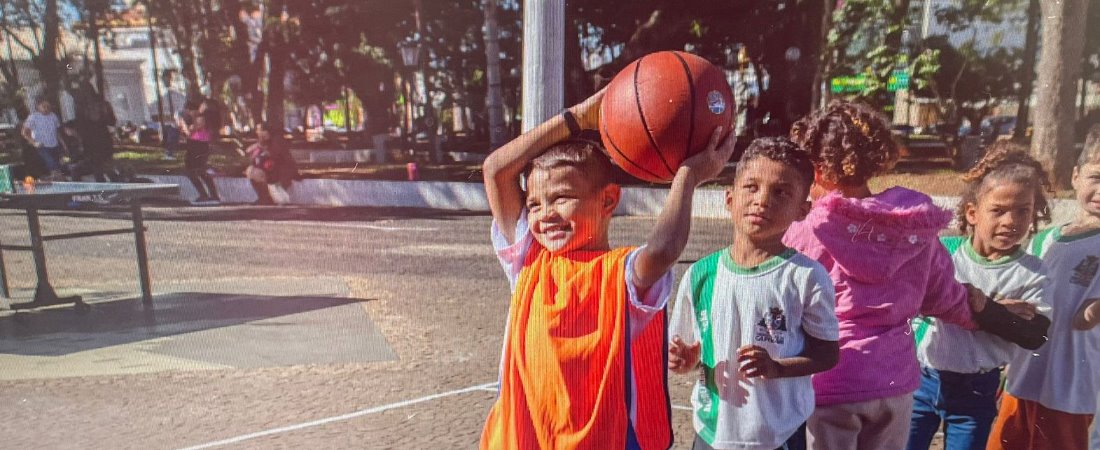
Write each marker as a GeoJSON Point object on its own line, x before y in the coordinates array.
{"type": "Point", "coordinates": [1063, 374]}
{"type": "Point", "coordinates": [949, 347]}
{"type": "Point", "coordinates": [725, 306]}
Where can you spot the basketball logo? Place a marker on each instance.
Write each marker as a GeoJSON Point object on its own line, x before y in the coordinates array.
{"type": "Point", "coordinates": [715, 102]}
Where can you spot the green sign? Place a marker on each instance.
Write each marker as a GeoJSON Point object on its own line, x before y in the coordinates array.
{"type": "Point", "coordinates": [898, 80]}
{"type": "Point", "coordinates": [841, 85]}
{"type": "Point", "coordinates": [7, 185]}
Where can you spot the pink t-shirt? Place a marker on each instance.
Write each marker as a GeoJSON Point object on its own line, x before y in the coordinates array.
{"type": "Point", "coordinates": [885, 259]}
{"type": "Point", "coordinates": [201, 134]}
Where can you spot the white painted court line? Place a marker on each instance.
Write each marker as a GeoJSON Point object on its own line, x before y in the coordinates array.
{"type": "Point", "coordinates": [681, 407]}
{"type": "Point", "coordinates": [327, 420]}
{"type": "Point", "coordinates": [313, 223]}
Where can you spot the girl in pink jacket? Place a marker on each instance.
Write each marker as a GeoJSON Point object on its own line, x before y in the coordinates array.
{"type": "Point", "coordinates": [883, 254]}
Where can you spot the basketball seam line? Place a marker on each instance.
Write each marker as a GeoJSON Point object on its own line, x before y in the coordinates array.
{"type": "Point", "coordinates": [691, 90]}
{"type": "Point", "coordinates": [614, 146]}
{"type": "Point", "coordinates": [645, 126]}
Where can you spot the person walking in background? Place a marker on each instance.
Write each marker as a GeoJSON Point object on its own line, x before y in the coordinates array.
{"type": "Point", "coordinates": [269, 162]}
{"type": "Point", "coordinates": [200, 132]}
{"type": "Point", "coordinates": [93, 123]}
{"type": "Point", "coordinates": [40, 129]}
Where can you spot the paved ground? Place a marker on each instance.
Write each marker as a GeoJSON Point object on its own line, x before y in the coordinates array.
{"type": "Point", "coordinates": [361, 328]}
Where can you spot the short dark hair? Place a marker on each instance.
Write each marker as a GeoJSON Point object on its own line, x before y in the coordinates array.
{"type": "Point", "coordinates": [781, 150]}
{"type": "Point", "coordinates": [1090, 154]}
{"type": "Point", "coordinates": [585, 155]}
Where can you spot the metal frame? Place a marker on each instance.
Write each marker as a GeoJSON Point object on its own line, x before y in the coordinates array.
{"type": "Point", "coordinates": [44, 294]}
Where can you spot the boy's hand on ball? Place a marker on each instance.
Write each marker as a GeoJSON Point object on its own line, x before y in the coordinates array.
{"type": "Point", "coordinates": [708, 163]}
{"type": "Point", "coordinates": [682, 357]}
{"type": "Point", "coordinates": [587, 112]}
{"type": "Point", "coordinates": [756, 362]}
{"type": "Point", "coordinates": [1025, 310]}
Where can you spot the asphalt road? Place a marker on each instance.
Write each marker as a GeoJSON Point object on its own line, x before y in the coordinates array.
{"type": "Point", "coordinates": [274, 328]}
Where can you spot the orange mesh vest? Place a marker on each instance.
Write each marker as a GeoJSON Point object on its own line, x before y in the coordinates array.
{"type": "Point", "coordinates": [568, 362]}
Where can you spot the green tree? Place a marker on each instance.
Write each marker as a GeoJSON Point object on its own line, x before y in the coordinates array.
{"type": "Point", "coordinates": [44, 22]}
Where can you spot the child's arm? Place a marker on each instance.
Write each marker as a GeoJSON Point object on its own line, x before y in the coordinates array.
{"type": "Point", "coordinates": [683, 357]}
{"type": "Point", "coordinates": [817, 356]}
{"type": "Point", "coordinates": [969, 307]}
{"type": "Point", "coordinates": [1089, 315]}
{"type": "Point", "coordinates": [503, 167]}
{"type": "Point", "coordinates": [670, 235]}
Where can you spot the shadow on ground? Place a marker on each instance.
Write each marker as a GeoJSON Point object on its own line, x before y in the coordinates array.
{"type": "Point", "coordinates": [62, 331]}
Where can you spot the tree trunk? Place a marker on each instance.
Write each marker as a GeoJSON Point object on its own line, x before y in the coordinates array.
{"type": "Point", "coordinates": [46, 62]}
{"type": "Point", "coordinates": [818, 97]}
{"type": "Point", "coordinates": [277, 57]}
{"type": "Point", "coordinates": [1027, 69]}
{"type": "Point", "coordinates": [494, 99]}
{"type": "Point", "coordinates": [185, 42]}
{"type": "Point", "coordinates": [14, 87]}
{"type": "Point", "coordinates": [93, 30]}
{"type": "Point", "coordinates": [1059, 69]}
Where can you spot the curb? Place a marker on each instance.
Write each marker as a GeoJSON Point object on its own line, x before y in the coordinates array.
{"type": "Point", "coordinates": [456, 196]}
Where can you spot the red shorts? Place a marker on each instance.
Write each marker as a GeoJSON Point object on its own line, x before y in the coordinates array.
{"type": "Point", "coordinates": [1027, 425]}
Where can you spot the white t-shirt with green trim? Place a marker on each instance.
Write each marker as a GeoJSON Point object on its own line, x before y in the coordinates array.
{"type": "Point", "coordinates": [771, 305]}
{"type": "Point", "coordinates": [949, 347]}
{"type": "Point", "coordinates": [1063, 374]}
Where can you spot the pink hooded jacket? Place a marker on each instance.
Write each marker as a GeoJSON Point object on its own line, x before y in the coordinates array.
{"type": "Point", "coordinates": [885, 259]}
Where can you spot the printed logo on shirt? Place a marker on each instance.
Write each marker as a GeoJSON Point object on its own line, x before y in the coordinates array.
{"type": "Point", "coordinates": [704, 322]}
{"type": "Point", "coordinates": [1085, 271]}
{"type": "Point", "coordinates": [772, 327]}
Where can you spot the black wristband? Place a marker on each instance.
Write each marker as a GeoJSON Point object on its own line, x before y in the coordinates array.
{"type": "Point", "coordinates": [571, 122]}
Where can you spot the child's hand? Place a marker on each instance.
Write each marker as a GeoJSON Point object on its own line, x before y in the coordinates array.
{"type": "Point", "coordinates": [1025, 310]}
{"type": "Point", "coordinates": [587, 112]}
{"type": "Point", "coordinates": [710, 162]}
{"type": "Point", "coordinates": [1089, 315]}
{"type": "Point", "coordinates": [682, 358]}
{"type": "Point", "coordinates": [756, 362]}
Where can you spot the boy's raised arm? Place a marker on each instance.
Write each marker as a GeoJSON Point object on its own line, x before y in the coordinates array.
{"type": "Point", "coordinates": [503, 167]}
{"type": "Point", "coordinates": [669, 237]}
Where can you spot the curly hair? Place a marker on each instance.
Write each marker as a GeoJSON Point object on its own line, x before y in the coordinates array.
{"type": "Point", "coordinates": [585, 155]}
{"type": "Point", "coordinates": [781, 150]}
{"type": "Point", "coordinates": [1005, 161]}
{"type": "Point", "coordinates": [848, 142]}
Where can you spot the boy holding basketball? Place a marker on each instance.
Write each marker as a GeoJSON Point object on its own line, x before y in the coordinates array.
{"type": "Point", "coordinates": [756, 319]}
{"type": "Point", "coordinates": [583, 359]}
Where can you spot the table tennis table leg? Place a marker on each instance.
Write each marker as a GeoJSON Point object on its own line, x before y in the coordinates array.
{"type": "Point", "coordinates": [44, 295]}
{"type": "Point", "coordinates": [3, 276]}
{"type": "Point", "coordinates": [142, 256]}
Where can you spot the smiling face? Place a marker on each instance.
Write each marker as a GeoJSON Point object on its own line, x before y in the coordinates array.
{"type": "Point", "coordinates": [1001, 218]}
{"type": "Point", "coordinates": [567, 211]}
{"type": "Point", "coordinates": [1086, 187]}
{"type": "Point", "coordinates": [765, 198]}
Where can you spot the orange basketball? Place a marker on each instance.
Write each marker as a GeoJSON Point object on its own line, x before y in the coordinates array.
{"type": "Point", "coordinates": [661, 109]}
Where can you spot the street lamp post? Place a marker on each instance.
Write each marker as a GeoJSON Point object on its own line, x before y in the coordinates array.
{"type": "Point", "coordinates": [410, 56]}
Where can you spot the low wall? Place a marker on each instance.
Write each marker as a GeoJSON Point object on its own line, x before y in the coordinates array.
{"type": "Point", "coordinates": [636, 201]}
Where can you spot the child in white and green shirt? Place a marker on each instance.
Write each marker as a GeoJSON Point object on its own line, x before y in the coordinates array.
{"type": "Point", "coordinates": [756, 319]}
{"type": "Point", "coordinates": [961, 369]}
{"type": "Point", "coordinates": [1051, 393]}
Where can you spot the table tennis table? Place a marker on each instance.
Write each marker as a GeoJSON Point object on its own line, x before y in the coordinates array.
{"type": "Point", "coordinates": [82, 197]}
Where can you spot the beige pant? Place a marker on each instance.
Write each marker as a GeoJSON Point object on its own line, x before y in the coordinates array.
{"type": "Point", "coordinates": [881, 424]}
